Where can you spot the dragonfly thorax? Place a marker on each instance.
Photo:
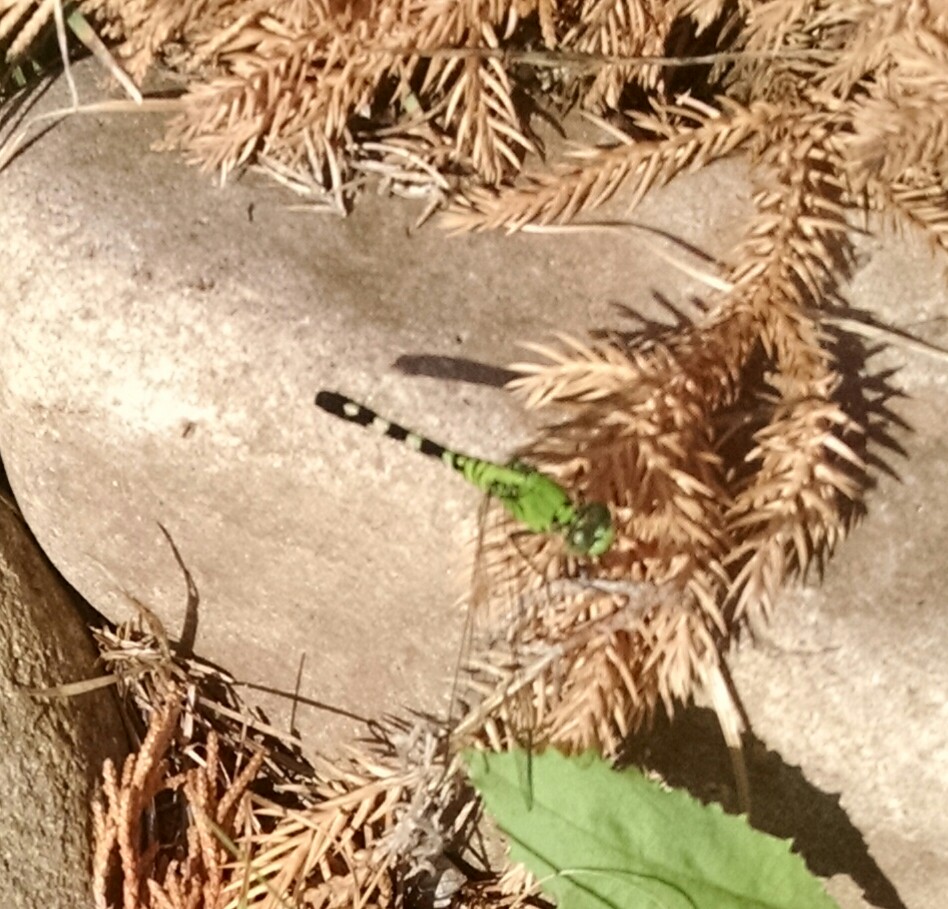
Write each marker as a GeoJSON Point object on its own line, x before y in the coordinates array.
{"type": "Point", "coordinates": [544, 506]}
{"type": "Point", "coordinates": [537, 501]}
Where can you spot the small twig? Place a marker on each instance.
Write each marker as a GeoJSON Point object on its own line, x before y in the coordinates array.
{"type": "Point", "coordinates": [249, 721]}
{"type": "Point", "coordinates": [412, 158]}
{"type": "Point", "coordinates": [556, 59]}
{"type": "Point", "coordinates": [523, 676]}
{"type": "Point", "coordinates": [15, 141]}
{"type": "Point", "coordinates": [566, 587]}
{"type": "Point", "coordinates": [895, 335]}
{"type": "Point", "coordinates": [64, 50]}
{"type": "Point", "coordinates": [72, 689]}
{"type": "Point", "coordinates": [96, 46]}
{"type": "Point", "coordinates": [705, 277]}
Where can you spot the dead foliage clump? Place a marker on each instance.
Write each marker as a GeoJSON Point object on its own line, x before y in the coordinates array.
{"type": "Point", "coordinates": [149, 875]}
{"type": "Point", "coordinates": [214, 809]}
{"type": "Point", "coordinates": [444, 97]}
{"type": "Point", "coordinates": [734, 448]}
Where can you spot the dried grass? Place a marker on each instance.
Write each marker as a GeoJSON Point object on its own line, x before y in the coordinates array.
{"type": "Point", "coordinates": [311, 86]}
{"type": "Point", "coordinates": [210, 812]}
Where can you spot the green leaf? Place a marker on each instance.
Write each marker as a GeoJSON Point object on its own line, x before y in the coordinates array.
{"type": "Point", "coordinates": [597, 838]}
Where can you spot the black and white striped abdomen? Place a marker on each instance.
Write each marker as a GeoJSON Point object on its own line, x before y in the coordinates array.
{"type": "Point", "coordinates": [354, 412]}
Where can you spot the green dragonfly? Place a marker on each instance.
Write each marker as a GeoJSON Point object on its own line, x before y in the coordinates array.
{"type": "Point", "coordinates": [529, 496]}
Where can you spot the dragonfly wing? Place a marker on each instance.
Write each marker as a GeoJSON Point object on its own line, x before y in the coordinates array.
{"type": "Point", "coordinates": [461, 698]}
{"type": "Point", "coordinates": [496, 694]}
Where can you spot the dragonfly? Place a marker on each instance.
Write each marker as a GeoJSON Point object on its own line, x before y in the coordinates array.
{"type": "Point", "coordinates": [529, 496]}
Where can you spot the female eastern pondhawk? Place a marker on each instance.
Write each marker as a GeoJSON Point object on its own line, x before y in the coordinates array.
{"type": "Point", "coordinates": [529, 496]}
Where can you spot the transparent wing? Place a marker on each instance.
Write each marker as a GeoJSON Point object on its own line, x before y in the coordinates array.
{"type": "Point", "coordinates": [483, 711]}
{"type": "Point", "coordinates": [554, 646]}
{"type": "Point", "coordinates": [462, 695]}
{"type": "Point", "coordinates": [495, 700]}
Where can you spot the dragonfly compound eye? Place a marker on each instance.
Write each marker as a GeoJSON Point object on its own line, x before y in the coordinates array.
{"type": "Point", "coordinates": [591, 533]}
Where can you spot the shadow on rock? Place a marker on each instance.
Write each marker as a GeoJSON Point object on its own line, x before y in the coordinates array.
{"type": "Point", "coordinates": [690, 753]}
{"type": "Point", "coordinates": [454, 369]}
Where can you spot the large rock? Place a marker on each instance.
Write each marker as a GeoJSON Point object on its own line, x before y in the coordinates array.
{"type": "Point", "coordinates": [160, 348]}
{"type": "Point", "coordinates": [52, 747]}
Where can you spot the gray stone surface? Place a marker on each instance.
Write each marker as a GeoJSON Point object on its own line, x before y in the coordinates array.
{"type": "Point", "coordinates": [160, 346]}
{"type": "Point", "coordinates": [160, 350]}
{"type": "Point", "coordinates": [52, 747]}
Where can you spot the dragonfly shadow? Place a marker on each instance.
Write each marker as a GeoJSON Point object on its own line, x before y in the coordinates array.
{"type": "Point", "coordinates": [454, 369]}
{"type": "Point", "coordinates": [689, 753]}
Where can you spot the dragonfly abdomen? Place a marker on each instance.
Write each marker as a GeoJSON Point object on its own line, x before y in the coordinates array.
{"type": "Point", "coordinates": [354, 412]}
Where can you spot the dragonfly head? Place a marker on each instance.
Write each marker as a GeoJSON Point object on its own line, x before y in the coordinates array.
{"type": "Point", "coordinates": [591, 531]}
